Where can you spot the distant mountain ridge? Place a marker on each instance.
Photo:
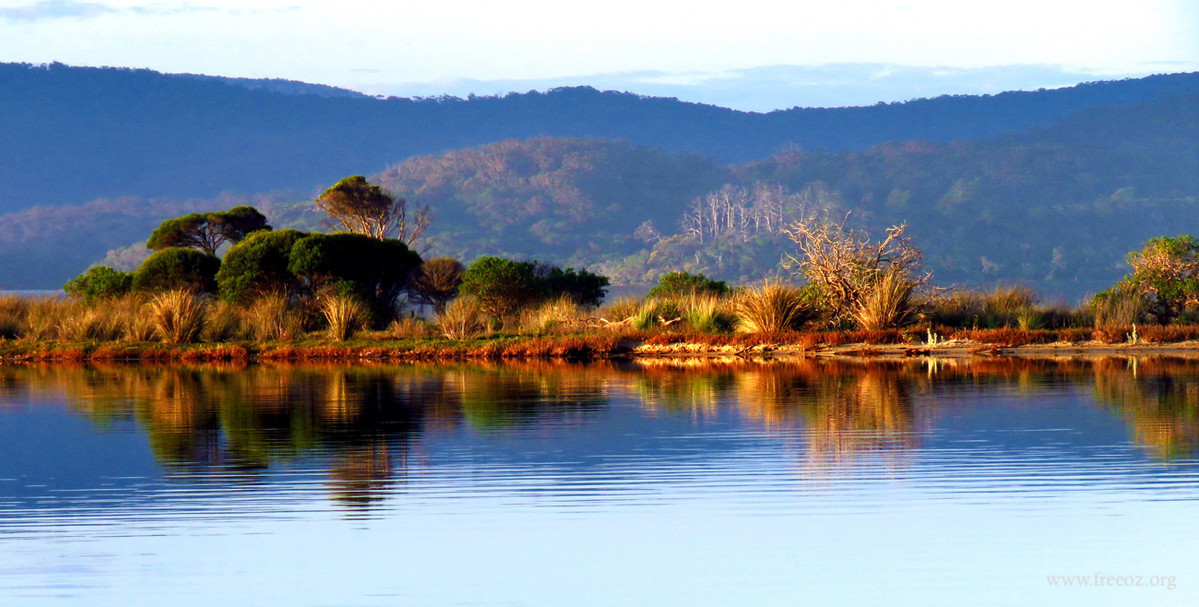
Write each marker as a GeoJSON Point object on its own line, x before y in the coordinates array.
{"type": "Point", "coordinates": [73, 134]}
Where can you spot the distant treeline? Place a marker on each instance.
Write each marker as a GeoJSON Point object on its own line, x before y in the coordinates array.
{"type": "Point", "coordinates": [74, 134]}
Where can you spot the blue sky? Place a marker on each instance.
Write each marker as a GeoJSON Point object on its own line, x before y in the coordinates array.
{"type": "Point", "coordinates": [753, 54]}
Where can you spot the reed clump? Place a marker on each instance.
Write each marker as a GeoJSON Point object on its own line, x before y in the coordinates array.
{"type": "Point", "coordinates": [887, 304]}
{"type": "Point", "coordinates": [272, 317]}
{"type": "Point", "coordinates": [178, 316]}
{"type": "Point", "coordinates": [462, 319]}
{"type": "Point", "coordinates": [772, 308]}
{"type": "Point", "coordinates": [345, 316]}
{"type": "Point", "coordinates": [560, 314]}
{"type": "Point", "coordinates": [706, 312]}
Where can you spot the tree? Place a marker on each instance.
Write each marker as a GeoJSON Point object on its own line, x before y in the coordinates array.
{"type": "Point", "coordinates": [682, 283]}
{"type": "Point", "coordinates": [1166, 274]}
{"type": "Point", "coordinates": [856, 275]}
{"type": "Point", "coordinates": [585, 288]}
{"type": "Point", "coordinates": [437, 281]}
{"type": "Point", "coordinates": [502, 285]}
{"type": "Point", "coordinates": [99, 282]}
{"type": "Point", "coordinates": [362, 208]}
{"type": "Point", "coordinates": [259, 265]}
{"type": "Point", "coordinates": [376, 271]}
{"type": "Point", "coordinates": [206, 232]}
{"type": "Point", "coordinates": [177, 268]}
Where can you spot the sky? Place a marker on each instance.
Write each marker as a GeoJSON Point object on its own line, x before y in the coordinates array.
{"type": "Point", "coordinates": [753, 54]}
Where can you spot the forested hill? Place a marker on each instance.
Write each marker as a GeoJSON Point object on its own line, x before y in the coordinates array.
{"type": "Point", "coordinates": [73, 134]}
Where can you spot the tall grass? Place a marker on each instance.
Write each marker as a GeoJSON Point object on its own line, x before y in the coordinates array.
{"type": "Point", "coordinates": [223, 322]}
{"type": "Point", "coordinates": [272, 317]}
{"type": "Point", "coordinates": [345, 316]}
{"type": "Point", "coordinates": [463, 318]}
{"type": "Point", "coordinates": [887, 304]}
{"type": "Point", "coordinates": [706, 312]}
{"type": "Point", "coordinates": [620, 310]}
{"type": "Point", "coordinates": [771, 308]}
{"type": "Point", "coordinates": [1116, 308]}
{"type": "Point", "coordinates": [178, 316]}
{"type": "Point", "coordinates": [554, 315]}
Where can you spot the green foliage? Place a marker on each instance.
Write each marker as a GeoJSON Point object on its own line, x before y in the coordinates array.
{"type": "Point", "coordinates": [1166, 274]}
{"type": "Point", "coordinates": [99, 282]}
{"type": "Point", "coordinates": [682, 283]}
{"type": "Point", "coordinates": [585, 288]}
{"type": "Point", "coordinates": [259, 265]}
{"type": "Point", "coordinates": [502, 285]}
{"type": "Point", "coordinates": [177, 269]}
{"type": "Point", "coordinates": [376, 271]}
{"type": "Point", "coordinates": [207, 231]}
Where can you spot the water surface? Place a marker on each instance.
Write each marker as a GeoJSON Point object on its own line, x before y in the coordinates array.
{"type": "Point", "coordinates": [556, 484]}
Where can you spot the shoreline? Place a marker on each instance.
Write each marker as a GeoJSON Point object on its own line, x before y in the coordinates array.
{"type": "Point", "coordinates": [574, 348]}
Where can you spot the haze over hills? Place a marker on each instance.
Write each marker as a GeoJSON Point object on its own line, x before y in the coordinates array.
{"type": "Point", "coordinates": [1046, 187]}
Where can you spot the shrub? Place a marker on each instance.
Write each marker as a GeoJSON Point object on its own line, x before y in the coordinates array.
{"type": "Point", "coordinates": [683, 283]}
{"type": "Point", "coordinates": [376, 271]}
{"type": "Point", "coordinates": [585, 288]}
{"type": "Point", "coordinates": [99, 282]}
{"type": "Point", "coordinates": [500, 286]}
{"type": "Point", "coordinates": [178, 316]}
{"type": "Point", "coordinates": [462, 319]}
{"type": "Point", "coordinates": [176, 269]}
{"type": "Point", "coordinates": [772, 308]}
{"type": "Point", "coordinates": [258, 265]}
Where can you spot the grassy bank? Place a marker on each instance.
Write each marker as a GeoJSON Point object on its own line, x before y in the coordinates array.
{"type": "Point", "coordinates": [608, 344]}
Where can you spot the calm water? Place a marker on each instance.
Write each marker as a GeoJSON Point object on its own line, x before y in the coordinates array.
{"type": "Point", "coordinates": [556, 484]}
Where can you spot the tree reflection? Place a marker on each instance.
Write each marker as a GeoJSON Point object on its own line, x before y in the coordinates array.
{"type": "Point", "coordinates": [1157, 397]}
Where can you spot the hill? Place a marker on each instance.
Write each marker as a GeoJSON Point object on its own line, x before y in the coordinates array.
{"type": "Point", "coordinates": [74, 134]}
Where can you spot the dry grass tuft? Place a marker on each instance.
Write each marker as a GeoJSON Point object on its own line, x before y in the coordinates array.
{"type": "Point", "coordinates": [271, 317]}
{"type": "Point", "coordinates": [345, 316]}
{"type": "Point", "coordinates": [887, 304]}
{"type": "Point", "coordinates": [178, 316]}
{"type": "Point", "coordinates": [462, 319]}
{"type": "Point", "coordinates": [771, 308]}
{"type": "Point", "coordinates": [559, 314]}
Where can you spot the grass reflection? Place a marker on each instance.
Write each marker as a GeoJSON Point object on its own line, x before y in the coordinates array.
{"type": "Point", "coordinates": [365, 424]}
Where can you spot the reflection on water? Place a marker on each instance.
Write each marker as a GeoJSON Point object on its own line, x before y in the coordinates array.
{"type": "Point", "coordinates": [376, 443]}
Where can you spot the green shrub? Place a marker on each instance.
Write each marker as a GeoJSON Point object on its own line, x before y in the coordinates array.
{"type": "Point", "coordinates": [99, 282]}
{"type": "Point", "coordinates": [682, 283]}
{"type": "Point", "coordinates": [177, 269]}
{"type": "Point", "coordinates": [259, 265]}
{"type": "Point", "coordinates": [376, 271]}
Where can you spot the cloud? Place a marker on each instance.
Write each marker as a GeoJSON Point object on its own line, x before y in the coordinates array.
{"type": "Point", "coordinates": [55, 9]}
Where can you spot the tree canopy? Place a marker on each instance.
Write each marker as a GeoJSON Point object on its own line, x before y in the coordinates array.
{"type": "Point", "coordinates": [258, 265]}
{"type": "Point", "coordinates": [206, 232]}
{"type": "Point", "coordinates": [375, 270]}
{"type": "Point", "coordinates": [361, 207]}
{"type": "Point", "coordinates": [177, 268]}
{"type": "Point", "coordinates": [99, 282]}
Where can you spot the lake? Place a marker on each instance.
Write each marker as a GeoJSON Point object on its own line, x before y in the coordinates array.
{"type": "Point", "coordinates": [983, 482]}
